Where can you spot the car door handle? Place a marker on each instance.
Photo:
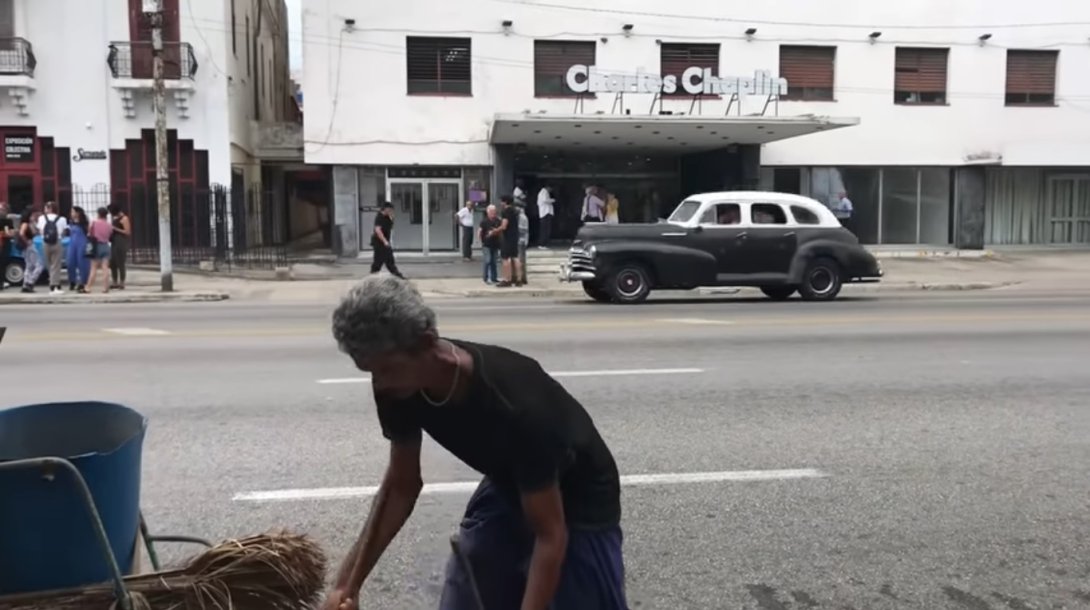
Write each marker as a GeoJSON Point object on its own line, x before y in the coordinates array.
{"type": "Point", "coordinates": [742, 235]}
{"type": "Point", "coordinates": [789, 234]}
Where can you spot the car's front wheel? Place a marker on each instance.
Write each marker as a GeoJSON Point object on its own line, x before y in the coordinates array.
{"type": "Point", "coordinates": [596, 292]}
{"type": "Point", "coordinates": [821, 281]}
{"type": "Point", "coordinates": [629, 284]}
{"type": "Point", "coordinates": [13, 273]}
{"type": "Point", "coordinates": [778, 293]}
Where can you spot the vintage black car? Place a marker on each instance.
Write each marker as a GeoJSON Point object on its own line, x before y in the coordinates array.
{"type": "Point", "coordinates": [777, 242]}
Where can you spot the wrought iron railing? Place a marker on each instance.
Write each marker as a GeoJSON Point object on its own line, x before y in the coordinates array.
{"type": "Point", "coordinates": [17, 57]}
{"type": "Point", "coordinates": [134, 60]}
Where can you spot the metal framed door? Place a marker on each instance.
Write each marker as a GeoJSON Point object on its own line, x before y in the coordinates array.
{"type": "Point", "coordinates": [423, 227]}
{"type": "Point", "coordinates": [444, 198]}
{"type": "Point", "coordinates": [1068, 209]}
{"type": "Point", "coordinates": [409, 214]}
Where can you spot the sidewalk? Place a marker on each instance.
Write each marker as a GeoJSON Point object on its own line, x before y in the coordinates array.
{"type": "Point", "coordinates": [1016, 270]}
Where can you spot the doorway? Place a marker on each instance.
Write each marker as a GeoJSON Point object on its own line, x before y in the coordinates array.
{"type": "Point", "coordinates": [419, 226]}
{"type": "Point", "coordinates": [140, 37]}
{"type": "Point", "coordinates": [20, 190]}
{"type": "Point", "coordinates": [1069, 209]}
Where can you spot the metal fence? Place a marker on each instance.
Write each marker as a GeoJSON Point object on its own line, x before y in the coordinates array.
{"type": "Point", "coordinates": [212, 227]}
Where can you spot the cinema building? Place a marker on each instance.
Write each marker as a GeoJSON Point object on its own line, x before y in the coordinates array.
{"type": "Point", "coordinates": [941, 130]}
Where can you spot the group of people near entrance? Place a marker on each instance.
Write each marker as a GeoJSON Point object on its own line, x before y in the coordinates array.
{"type": "Point", "coordinates": [94, 246]}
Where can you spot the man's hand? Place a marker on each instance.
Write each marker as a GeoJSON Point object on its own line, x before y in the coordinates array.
{"type": "Point", "coordinates": [340, 600]}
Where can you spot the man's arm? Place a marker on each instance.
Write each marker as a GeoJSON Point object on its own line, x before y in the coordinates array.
{"type": "Point", "coordinates": [392, 506]}
{"type": "Point", "coordinates": [381, 237]}
{"type": "Point", "coordinates": [544, 510]}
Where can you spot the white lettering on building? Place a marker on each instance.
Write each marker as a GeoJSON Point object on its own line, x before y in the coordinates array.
{"type": "Point", "coordinates": [694, 81]}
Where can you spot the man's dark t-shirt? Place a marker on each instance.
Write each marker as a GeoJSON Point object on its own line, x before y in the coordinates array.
{"type": "Point", "coordinates": [487, 224]}
{"type": "Point", "coordinates": [511, 233]}
{"type": "Point", "coordinates": [522, 430]}
{"type": "Point", "coordinates": [386, 224]}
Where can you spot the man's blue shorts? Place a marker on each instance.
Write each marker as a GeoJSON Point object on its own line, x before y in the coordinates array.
{"type": "Point", "coordinates": [498, 543]}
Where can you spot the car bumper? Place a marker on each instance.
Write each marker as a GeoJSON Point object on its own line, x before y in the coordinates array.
{"type": "Point", "coordinates": [567, 274]}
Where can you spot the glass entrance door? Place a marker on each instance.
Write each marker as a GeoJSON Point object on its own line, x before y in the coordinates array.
{"type": "Point", "coordinates": [443, 202]}
{"type": "Point", "coordinates": [408, 200]}
{"type": "Point", "coordinates": [20, 191]}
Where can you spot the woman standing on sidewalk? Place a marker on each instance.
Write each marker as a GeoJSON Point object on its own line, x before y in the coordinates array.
{"type": "Point", "coordinates": [119, 245]}
{"type": "Point", "coordinates": [100, 232]}
{"type": "Point", "coordinates": [32, 259]}
{"type": "Point", "coordinates": [79, 251]}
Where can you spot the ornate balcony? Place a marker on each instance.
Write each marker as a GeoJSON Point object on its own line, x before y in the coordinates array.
{"type": "Point", "coordinates": [17, 63]}
{"type": "Point", "coordinates": [131, 64]}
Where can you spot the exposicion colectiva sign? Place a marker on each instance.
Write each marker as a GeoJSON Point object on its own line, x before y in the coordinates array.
{"type": "Point", "coordinates": [694, 81]}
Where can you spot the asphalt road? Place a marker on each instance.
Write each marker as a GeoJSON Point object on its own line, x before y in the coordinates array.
{"type": "Point", "coordinates": [939, 445]}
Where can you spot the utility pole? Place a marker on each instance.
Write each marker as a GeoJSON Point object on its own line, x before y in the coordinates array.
{"type": "Point", "coordinates": [154, 11]}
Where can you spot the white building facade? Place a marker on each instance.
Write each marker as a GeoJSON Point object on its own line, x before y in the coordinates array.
{"type": "Point", "coordinates": [76, 112]}
{"type": "Point", "coordinates": [945, 125]}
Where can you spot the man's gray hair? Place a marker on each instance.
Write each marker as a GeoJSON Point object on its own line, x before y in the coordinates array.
{"type": "Point", "coordinates": [381, 314]}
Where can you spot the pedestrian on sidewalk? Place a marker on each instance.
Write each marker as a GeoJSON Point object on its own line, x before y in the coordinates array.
{"type": "Point", "coordinates": [52, 227]}
{"type": "Point", "coordinates": [509, 244]}
{"type": "Point", "coordinates": [382, 247]}
{"type": "Point", "coordinates": [543, 528]}
{"type": "Point", "coordinates": [99, 233]}
{"type": "Point", "coordinates": [119, 245]}
{"type": "Point", "coordinates": [32, 259]}
{"type": "Point", "coordinates": [545, 209]}
{"type": "Point", "coordinates": [490, 244]}
{"type": "Point", "coordinates": [465, 220]}
{"type": "Point", "coordinates": [79, 251]}
{"type": "Point", "coordinates": [7, 238]}
{"type": "Point", "coordinates": [524, 243]}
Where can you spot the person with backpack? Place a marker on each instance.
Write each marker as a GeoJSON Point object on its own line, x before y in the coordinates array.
{"type": "Point", "coordinates": [52, 227]}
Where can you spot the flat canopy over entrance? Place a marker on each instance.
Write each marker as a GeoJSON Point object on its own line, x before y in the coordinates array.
{"type": "Point", "coordinates": [658, 132]}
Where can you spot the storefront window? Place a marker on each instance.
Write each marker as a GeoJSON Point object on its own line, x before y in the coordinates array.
{"type": "Point", "coordinates": [900, 205]}
{"type": "Point", "coordinates": [935, 195]}
{"type": "Point", "coordinates": [860, 184]}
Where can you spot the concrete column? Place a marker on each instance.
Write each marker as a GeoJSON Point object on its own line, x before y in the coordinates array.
{"type": "Point", "coordinates": [969, 227]}
{"type": "Point", "coordinates": [503, 171]}
{"type": "Point", "coordinates": [750, 155]}
{"type": "Point", "coordinates": [345, 215]}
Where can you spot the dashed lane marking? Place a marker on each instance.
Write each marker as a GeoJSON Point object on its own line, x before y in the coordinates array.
{"type": "Point", "coordinates": [138, 332]}
{"type": "Point", "coordinates": [464, 487]}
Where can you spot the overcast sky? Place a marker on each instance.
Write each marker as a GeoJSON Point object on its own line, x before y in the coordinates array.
{"type": "Point", "coordinates": [295, 36]}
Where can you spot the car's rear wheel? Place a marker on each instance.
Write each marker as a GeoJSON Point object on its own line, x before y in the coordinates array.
{"type": "Point", "coordinates": [778, 293]}
{"type": "Point", "coordinates": [629, 283]}
{"type": "Point", "coordinates": [13, 273]}
{"type": "Point", "coordinates": [821, 281]}
{"type": "Point", "coordinates": [596, 292]}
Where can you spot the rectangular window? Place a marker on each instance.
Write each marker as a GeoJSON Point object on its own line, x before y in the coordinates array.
{"type": "Point", "coordinates": [920, 76]}
{"type": "Point", "coordinates": [1031, 78]}
{"type": "Point", "coordinates": [438, 66]}
{"type": "Point", "coordinates": [676, 58]}
{"type": "Point", "coordinates": [553, 58]}
{"type": "Point", "coordinates": [249, 44]}
{"type": "Point", "coordinates": [809, 71]}
{"type": "Point", "coordinates": [234, 31]}
{"type": "Point", "coordinates": [7, 18]}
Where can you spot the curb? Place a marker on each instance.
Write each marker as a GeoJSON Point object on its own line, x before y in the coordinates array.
{"type": "Point", "coordinates": [83, 299]}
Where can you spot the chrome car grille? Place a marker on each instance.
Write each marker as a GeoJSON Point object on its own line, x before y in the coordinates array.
{"type": "Point", "coordinates": [580, 260]}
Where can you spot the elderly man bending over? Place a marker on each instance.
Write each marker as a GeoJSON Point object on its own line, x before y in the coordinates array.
{"type": "Point", "coordinates": [542, 531]}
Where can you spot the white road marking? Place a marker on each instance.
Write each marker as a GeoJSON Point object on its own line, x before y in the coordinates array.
{"type": "Point", "coordinates": [697, 321]}
{"type": "Point", "coordinates": [601, 373]}
{"type": "Point", "coordinates": [635, 480]}
{"type": "Point", "coordinates": [138, 332]}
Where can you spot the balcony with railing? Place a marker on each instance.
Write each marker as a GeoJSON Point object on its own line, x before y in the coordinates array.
{"type": "Point", "coordinates": [133, 60]}
{"type": "Point", "coordinates": [17, 57]}
{"type": "Point", "coordinates": [132, 66]}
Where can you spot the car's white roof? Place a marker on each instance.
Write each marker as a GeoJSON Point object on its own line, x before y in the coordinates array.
{"type": "Point", "coordinates": [754, 196]}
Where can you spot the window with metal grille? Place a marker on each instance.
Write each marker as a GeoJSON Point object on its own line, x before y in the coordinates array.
{"type": "Point", "coordinates": [919, 76]}
{"type": "Point", "coordinates": [809, 71]}
{"type": "Point", "coordinates": [1031, 78]}
{"type": "Point", "coordinates": [438, 66]}
{"type": "Point", "coordinates": [553, 58]}
{"type": "Point", "coordinates": [675, 58]}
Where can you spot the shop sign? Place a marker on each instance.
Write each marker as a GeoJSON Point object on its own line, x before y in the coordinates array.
{"type": "Point", "coordinates": [694, 81]}
{"type": "Point", "coordinates": [85, 155]}
{"type": "Point", "coordinates": [19, 148]}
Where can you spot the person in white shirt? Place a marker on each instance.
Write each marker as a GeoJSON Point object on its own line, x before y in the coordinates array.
{"type": "Point", "coordinates": [52, 227]}
{"type": "Point", "coordinates": [593, 206]}
{"type": "Point", "coordinates": [545, 211]}
{"type": "Point", "coordinates": [465, 219]}
{"type": "Point", "coordinates": [842, 209]}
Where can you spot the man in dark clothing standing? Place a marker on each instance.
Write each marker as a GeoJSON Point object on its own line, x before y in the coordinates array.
{"type": "Point", "coordinates": [543, 530]}
{"type": "Point", "coordinates": [380, 241]}
{"type": "Point", "coordinates": [509, 249]}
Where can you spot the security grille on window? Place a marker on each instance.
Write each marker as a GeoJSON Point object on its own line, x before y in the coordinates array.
{"type": "Point", "coordinates": [553, 58]}
{"type": "Point", "coordinates": [809, 71]}
{"type": "Point", "coordinates": [675, 58]}
{"type": "Point", "coordinates": [438, 66]}
{"type": "Point", "coordinates": [920, 76]}
{"type": "Point", "coordinates": [1031, 78]}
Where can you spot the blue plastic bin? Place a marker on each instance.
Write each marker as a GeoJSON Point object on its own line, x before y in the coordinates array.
{"type": "Point", "coordinates": [46, 536]}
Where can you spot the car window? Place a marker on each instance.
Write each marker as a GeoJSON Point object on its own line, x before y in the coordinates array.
{"type": "Point", "coordinates": [722, 214]}
{"type": "Point", "coordinates": [804, 216]}
{"type": "Point", "coordinates": [767, 214]}
{"type": "Point", "coordinates": [685, 211]}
